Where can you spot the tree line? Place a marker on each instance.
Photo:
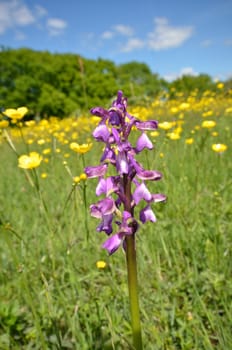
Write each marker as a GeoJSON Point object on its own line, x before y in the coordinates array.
{"type": "Point", "coordinates": [60, 84]}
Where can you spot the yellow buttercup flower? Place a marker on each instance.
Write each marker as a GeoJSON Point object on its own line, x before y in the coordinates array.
{"type": "Point", "coordinates": [174, 110]}
{"type": "Point", "coordinates": [208, 124]}
{"type": "Point", "coordinates": [228, 110]}
{"type": "Point", "coordinates": [76, 179]}
{"type": "Point", "coordinates": [16, 114]}
{"type": "Point", "coordinates": [173, 136]}
{"type": "Point", "coordinates": [95, 119]}
{"type": "Point", "coordinates": [83, 176]}
{"type": "Point", "coordinates": [101, 264]}
{"type": "Point", "coordinates": [155, 133]}
{"type": "Point", "coordinates": [219, 147]}
{"type": "Point", "coordinates": [207, 114]}
{"type": "Point", "coordinates": [84, 148]}
{"type": "Point", "coordinates": [30, 123]}
{"type": "Point", "coordinates": [184, 105]}
{"type": "Point", "coordinates": [189, 141]}
{"type": "Point", "coordinates": [165, 125]}
{"type": "Point", "coordinates": [178, 130]}
{"type": "Point", "coordinates": [4, 124]}
{"type": "Point", "coordinates": [41, 142]}
{"type": "Point", "coordinates": [220, 85]}
{"type": "Point", "coordinates": [47, 151]}
{"type": "Point", "coordinates": [29, 162]}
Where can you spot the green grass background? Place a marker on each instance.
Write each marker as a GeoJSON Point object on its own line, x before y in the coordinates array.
{"type": "Point", "coordinates": [54, 297]}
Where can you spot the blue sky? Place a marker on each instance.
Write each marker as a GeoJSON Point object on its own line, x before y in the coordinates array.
{"type": "Point", "coordinates": [173, 37]}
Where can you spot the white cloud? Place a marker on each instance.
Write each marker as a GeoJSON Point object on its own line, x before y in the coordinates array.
{"type": "Point", "coordinates": [132, 44]}
{"type": "Point", "coordinates": [56, 26]}
{"type": "Point", "coordinates": [107, 35]}
{"type": "Point", "coordinates": [40, 11]}
{"type": "Point", "coordinates": [165, 36]}
{"type": "Point", "coordinates": [23, 16]}
{"type": "Point", "coordinates": [14, 13]}
{"type": "Point", "coordinates": [183, 71]}
{"type": "Point", "coordinates": [124, 30]}
{"type": "Point", "coordinates": [188, 71]}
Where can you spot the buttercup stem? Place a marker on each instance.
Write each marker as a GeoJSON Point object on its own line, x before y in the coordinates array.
{"type": "Point", "coordinates": [85, 203]}
{"type": "Point", "coordinates": [133, 291]}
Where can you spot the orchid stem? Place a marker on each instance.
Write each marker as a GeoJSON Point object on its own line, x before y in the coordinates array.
{"type": "Point", "coordinates": [132, 271]}
{"type": "Point", "coordinates": [133, 291]}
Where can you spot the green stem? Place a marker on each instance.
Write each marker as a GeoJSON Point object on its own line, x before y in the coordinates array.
{"type": "Point", "coordinates": [23, 138]}
{"type": "Point", "coordinates": [86, 219]}
{"type": "Point", "coordinates": [133, 291]}
{"type": "Point", "coordinates": [132, 271]}
{"type": "Point", "coordinates": [85, 202]}
{"type": "Point", "coordinates": [9, 141]}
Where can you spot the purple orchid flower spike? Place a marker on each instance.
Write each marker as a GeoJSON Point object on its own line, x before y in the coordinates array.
{"type": "Point", "coordinates": [113, 130]}
{"type": "Point", "coordinates": [126, 188]}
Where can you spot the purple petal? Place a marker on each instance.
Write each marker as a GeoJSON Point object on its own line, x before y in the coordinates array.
{"type": "Point", "coordinates": [96, 171]}
{"type": "Point", "coordinates": [107, 186]}
{"type": "Point", "coordinates": [159, 197]}
{"type": "Point", "coordinates": [101, 187]}
{"type": "Point", "coordinates": [126, 146]}
{"type": "Point", "coordinates": [119, 97]}
{"type": "Point", "coordinates": [115, 117]}
{"type": "Point", "coordinates": [149, 175]}
{"type": "Point", "coordinates": [145, 174]}
{"type": "Point", "coordinates": [148, 125]}
{"type": "Point", "coordinates": [105, 206]}
{"type": "Point", "coordinates": [143, 142]}
{"type": "Point", "coordinates": [120, 102]}
{"type": "Point", "coordinates": [113, 243]}
{"type": "Point", "coordinates": [141, 192]}
{"type": "Point", "coordinates": [126, 221]}
{"type": "Point", "coordinates": [106, 224]}
{"type": "Point", "coordinates": [108, 155]}
{"type": "Point", "coordinates": [99, 112]}
{"type": "Point", "coordinates": [116, 135]}
{"type": "Point", "coordinates": [126, 215]}
{"type": "Point", "coordinates": [146, 214]}
{"type": "Point", "coordinates": [101, 133]}
{"type": "Point", "coordinates": [129, 225]}
{"type": "Point", "coordinates": [122, 163]}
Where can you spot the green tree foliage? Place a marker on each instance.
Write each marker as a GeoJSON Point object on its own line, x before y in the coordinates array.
{"type": "Point", "coordinates": [61, 84]}
{"type": "Point", "coordinates": [188, 83]}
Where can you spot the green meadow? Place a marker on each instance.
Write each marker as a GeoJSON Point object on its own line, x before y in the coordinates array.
{"type": "Point", "coordinates": [53, 293]}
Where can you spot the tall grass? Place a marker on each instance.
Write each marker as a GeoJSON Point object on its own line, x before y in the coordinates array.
{"type": "Point", "coordinates": [54, 297]}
